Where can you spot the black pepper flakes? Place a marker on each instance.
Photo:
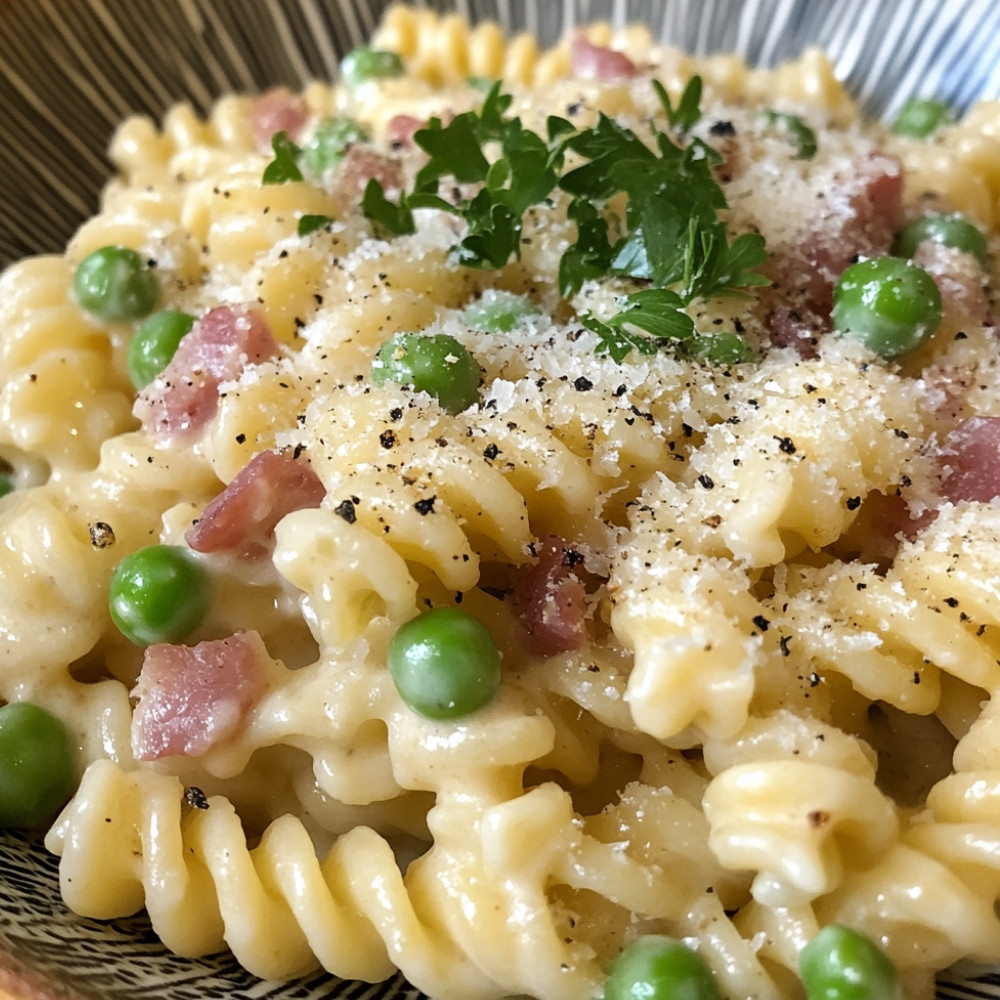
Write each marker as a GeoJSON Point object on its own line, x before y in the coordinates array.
{"type": "Point", "coordinates": [786, 445]}
{"type": "Point", "coordinates": [345, 509]}
{"type": "Point", "coordinates": [491, 451]}
{"type": "Point", "coordinates": [722, 129]}
{"type": "Point", "coordinates": [425, 506]}
{"type": "Point", "coordinates": [582, 384]}
{"type": "Point", "coordinates": [853, 503]}
{"type": "Point", "coordinates": [101, 535]}
{"type": "Point", "coordinates": [195, 797]}
{"type": "Point", "coordinates": [387, 439]}
{"type": "Point", "coordinates": [706, 481]}
{"type": "Point", "coordinates": [761, 622]}
{"type": "Point", "coordinates": [783, 642]}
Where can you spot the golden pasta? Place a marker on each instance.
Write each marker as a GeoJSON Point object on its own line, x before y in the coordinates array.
{"type": "Point", "coordinates": [569, 364]}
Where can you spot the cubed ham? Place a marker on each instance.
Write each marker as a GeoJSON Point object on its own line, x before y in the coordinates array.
{"type": "Point", "coordinates": [360, 165]}
{"type": "Point", "coordinates": [184, 397]}
{"type": "Point", "coordinates": [598, 62]}
{"type": "Point", "coordinates": [866, 209]}
{"type": "Point", "coordinates": [242, 518]}
{"type": "Point", "coordinates": [194, 697]}
{"type": "Point", "coordinates": [277, 110]}
{"type": "Point", "coordinates": [549, 599]}
{"type": "Point", "coordinates": [401, 129]}
{"type": "Point", "coordinates": [970, 461]}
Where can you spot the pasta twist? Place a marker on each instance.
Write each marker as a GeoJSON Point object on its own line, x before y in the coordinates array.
{"type": "Point", "coordinates": [892, 636]}
{"type": "Point", "coordinates": [63, 390]}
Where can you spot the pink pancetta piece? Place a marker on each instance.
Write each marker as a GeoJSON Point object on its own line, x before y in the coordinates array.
{"type": "Point", "coordinates": [867, 211]}
{"type": "Point", "coordinates": [183, 398]}
{"type": "Point", "coordinates": [277, 110]}
{"type": "Point", "coordinates": [242, 518]}
{"type": "Point", "coordinates": [598, 62]}
{"type": "Point", "coordinates": [194, 697]}
{"type": "Point", "coordinates": [970, 461]}
{"type": "Point", "coordinates": [401, 129]}
{"type": "Point", "coordinates": [362, 164]}
{"type": "Point", "coordinates": [549, 600]}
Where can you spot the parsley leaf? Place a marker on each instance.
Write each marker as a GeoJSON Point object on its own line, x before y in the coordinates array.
{"type": "Point", "coordinates": [647, 320]}
{"type": "Point", "coordinates": [671, 234]}
{"type": "Point", "coordinates": [284, 167]}
{"type": "Point", "coordinates": [388, 218]}
{"type": "Point", "coordinates": [685, 116]}
{"type": "Point", "coordinates": [310, 223]}
{"type": "Point", "coordinates": [797, 130]}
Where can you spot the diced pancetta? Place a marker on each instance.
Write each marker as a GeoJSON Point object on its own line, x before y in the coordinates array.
{"type": "Point", "coordinates": [277, 110]}
{"type": "Point", "coordinates": [549, 599]}
{"type": "Point", "coordinates": [401, 129]}
{"type": "Point", "coordinates": [865, 211]}
{"type": "Point", "coordinates": [183, 398]}
{"type": "Point", "coordinates": [242, 518]}
{"type": "Point", "coordinates": [360, 165]}
{"type": "Point", "coordinates": [194, 697]}
{"type": "Point", "coordinates": [970, 461]}
{"type": "Point", "coordinates": [598, 62]}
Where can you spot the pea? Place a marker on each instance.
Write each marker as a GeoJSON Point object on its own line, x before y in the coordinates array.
{"type": "Point", "coordinates": [444, 664]}
{"type": "Point", "coordinates": [498, 312]}
{"type": "Point", "coordinates": [842, 964]}
{"type": "Point", "coordinates": [656, 967]}
{"type": "Point", "coordinates": [158, 594]}
{"type": "Point", "coordinates": [7, 483]}
{"type": "Point", "coordinates": [437, 364]}
{"type": "Point", "coordinates": [365, 64]}
{"type": "Point", "coordinates": [37, 765]}
{"type": "Point", "coordinates": [115, 285]}
{"type": "Point", "coordinates": [154, 343]}
{"type": "Point", "coordinates": [919, 117]}
{"type": "Point", "coordinates": [950, 230]}
{"type": "Point", "coordinates": [325, 148]}
{"type": "Point", "coordinates": [889, 304]}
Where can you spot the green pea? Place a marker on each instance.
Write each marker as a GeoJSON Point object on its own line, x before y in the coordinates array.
{"type": "Point", "coordinates": [115, 284]}
{"type": "Point", "coordinates": [158, 594]}
{"type": "Point", "coordinates": [154, 343]}
{"type": "Point", "coordinates": [7, 483]}
{"type": "Point", "coordinates": [436, 363]}
{"type": "Point", "coordinates": [498, 312]}
{"type": "Point", "coordinates": [841, 964]}
{"type": "Point", "coordinates": [919, 117]}
{"type": "Point", "coordinates": [656, 967]}
{"type": "Point", "coordinates": [365, 64]}
{"type": "Point", "coordinates": [444, 664]}
{"type": "Point", "coordinates": [889, 304]}
{"type": "Point", "coordinates": [325, 148]}
{"type": "Point", "coordinates": [37, 765]}
{"type": "Point", "coordinates": [950, 230]}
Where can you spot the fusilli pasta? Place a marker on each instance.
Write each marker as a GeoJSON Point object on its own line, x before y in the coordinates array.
{"type": "Point", "coordinates": [736, 568]}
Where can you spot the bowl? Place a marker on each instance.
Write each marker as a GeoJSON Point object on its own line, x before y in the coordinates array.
{"type": "Point", "coordinates": [70, 70]}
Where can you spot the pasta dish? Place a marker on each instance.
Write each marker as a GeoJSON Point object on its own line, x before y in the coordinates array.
{"type": "Point", "coordinates": [525, 518]}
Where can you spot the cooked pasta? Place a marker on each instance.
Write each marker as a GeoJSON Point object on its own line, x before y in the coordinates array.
{"type": "Point", "coordinates": [504, 565]}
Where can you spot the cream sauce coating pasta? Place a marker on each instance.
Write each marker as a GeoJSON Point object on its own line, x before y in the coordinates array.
{"type": "Point", "coordinates": [771, 707]}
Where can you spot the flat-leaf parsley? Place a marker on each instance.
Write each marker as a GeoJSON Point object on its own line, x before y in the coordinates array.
{"type": "Point", "coordinates": [673, 236]}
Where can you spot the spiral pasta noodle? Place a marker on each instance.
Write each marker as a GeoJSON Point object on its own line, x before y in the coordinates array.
{"type": "Point", "coordinates": [728, 573]}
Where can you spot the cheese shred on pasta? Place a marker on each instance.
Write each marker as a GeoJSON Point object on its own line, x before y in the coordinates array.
{"type": "Point", "coordinates": [747, 610]}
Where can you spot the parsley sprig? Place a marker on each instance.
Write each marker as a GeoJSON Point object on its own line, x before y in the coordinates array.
{"type": "Point", "coordinates": [672, 235]}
